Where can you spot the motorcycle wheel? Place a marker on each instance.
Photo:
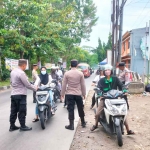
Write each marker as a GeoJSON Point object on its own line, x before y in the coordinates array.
{"type": "Point", "coordinates": [42, 119]}
{"type": "Point", "coordinates": [119, 136]}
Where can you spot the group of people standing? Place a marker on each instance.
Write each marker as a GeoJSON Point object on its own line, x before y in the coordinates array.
{"type": "Point", "coordinates": [20, 84]}
{"type": "Point", "coordinates": [73, 88]}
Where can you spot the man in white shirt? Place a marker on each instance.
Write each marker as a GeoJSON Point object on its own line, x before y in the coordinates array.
{"type": "Point", "coordinates": [95, 81]}
{"type": "Point", "coordinates": [59, 72]}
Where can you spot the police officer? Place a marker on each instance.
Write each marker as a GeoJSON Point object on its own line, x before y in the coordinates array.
{"type": "Point", "coordinates": [34, 78]}
{"type": "Point", "coordinates": [73, 87]}
{"type": "Point", "coordinates": [19, 83]}
{"type": "Point", "coordinates": [124, 77]}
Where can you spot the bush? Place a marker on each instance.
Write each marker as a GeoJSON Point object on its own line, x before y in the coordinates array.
{"type": "Point", "coordinates": [5, 74]}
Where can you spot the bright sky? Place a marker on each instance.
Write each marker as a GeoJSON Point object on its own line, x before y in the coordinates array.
{"type": "Point", "coordinates": [136, 14]}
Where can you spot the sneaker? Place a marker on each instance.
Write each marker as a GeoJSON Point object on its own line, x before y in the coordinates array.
{"type": "Point", "coordinates": [25, 128]}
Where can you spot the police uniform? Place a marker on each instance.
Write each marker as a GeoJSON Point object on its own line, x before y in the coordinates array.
{"type": "Point", "coordinates": [73, 87]}
{"type": "Point", "coordinates": [19, 83]}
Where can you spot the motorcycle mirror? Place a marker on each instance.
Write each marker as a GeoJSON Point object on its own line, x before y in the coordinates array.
{"type": "Point", "coordinates": [96, 89]}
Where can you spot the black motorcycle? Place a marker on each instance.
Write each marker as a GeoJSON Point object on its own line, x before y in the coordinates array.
{"type": "Point", "coordinates": [43, 104]}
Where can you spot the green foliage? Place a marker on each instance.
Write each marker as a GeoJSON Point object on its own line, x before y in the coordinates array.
{"type": "Point", "coordinates": [45, 30]}
{"type": "Point", "coordinates": [101, 50]}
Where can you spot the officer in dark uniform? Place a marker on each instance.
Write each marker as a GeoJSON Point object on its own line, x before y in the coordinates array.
{"type": "Point", "coordinates": [19, 83]}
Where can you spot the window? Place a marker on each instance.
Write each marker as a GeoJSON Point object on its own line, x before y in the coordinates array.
{"type": "Point", "coordinates": [124, 46]}
{"type": "Point", "coordinates": [129, 44]}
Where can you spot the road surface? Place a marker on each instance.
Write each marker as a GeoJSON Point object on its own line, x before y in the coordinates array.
{"type": "Point", "coordinates": [54, 137]}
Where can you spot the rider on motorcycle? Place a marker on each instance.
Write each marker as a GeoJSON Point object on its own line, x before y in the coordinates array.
{"type": "Point", "coordinates": [55, 76]}
{"type": "Point", "coordinates": [95, 82]}
{"type": "Point", "coordinates": [44, 79]}
{"type": "Point", "coordinates": [105, 84]}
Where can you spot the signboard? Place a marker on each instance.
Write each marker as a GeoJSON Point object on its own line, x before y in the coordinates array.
{"type": "Point", "coordinates": [48, 65]}
{"type": "Point", "coordinates": [13, 63]}
{"type": "Point", "coordinates": [64, 65]}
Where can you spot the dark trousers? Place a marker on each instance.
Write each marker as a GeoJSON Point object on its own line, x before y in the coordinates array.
{"type": "Point", "coordinates": [65, 102]}
{"type": "Point", "coordinates": [18, 107]}
{"type": "Point", "coordinates": [72, 99]}
{"type": "Point", "coordinates": [93, 100]}
{"type": "Point", "coordinates": [34, 96]}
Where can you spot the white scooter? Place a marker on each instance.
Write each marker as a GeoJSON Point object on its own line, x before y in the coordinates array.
{"type": "Point", "coordinates": [114, 113]}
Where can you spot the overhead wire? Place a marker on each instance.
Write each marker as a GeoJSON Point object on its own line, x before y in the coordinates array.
{"type": "Point", "coordinates": [143, 19]}
{"type": "Point", "coordinates": [131, 2]}
{"type": "Point", "coordinates": [140, 13]}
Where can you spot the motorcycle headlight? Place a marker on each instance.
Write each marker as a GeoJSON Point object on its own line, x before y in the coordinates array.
{"type": "Point", "coordinates": [111, 107]}
{"type": "Point", "coordinates": [124, 109]}
{"type": "Point", "coordinates": [41, 98]}
{"type": "Point", "coordinates": [114, 110]}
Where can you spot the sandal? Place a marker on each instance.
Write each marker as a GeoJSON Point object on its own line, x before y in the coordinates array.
{"type": "Point", "coordinates": [130, 132]}
{"type": "Point", "coordinates": [93, 128]}
{"type": "Point", "coordinates": [35, 120]}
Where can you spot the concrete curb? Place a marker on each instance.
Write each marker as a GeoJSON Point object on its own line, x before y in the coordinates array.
{"type": "Point", "coordinates": [4, 88]}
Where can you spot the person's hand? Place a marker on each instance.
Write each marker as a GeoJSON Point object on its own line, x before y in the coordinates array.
{"type": "Point", "coordinates": [37, 88]}
{"type": "Point", "coordinates": [126, 93]}
{"type": "Point", "coordinates": [83, 97]}
{"type": "Point", "coordinates": [93, 84]}
{"type": "Point", "coordinates": [62, 97]}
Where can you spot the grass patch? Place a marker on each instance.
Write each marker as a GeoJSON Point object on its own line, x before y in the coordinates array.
{"type": "Point", "coordinates": [4, 83]}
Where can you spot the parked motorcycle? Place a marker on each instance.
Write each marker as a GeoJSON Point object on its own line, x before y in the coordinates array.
{"type": "Point", "coordinates": [43, 104]}
{"type": "Point", "coordinates": [114, 113]}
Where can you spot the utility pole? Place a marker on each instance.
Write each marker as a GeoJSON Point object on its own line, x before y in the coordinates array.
{"type": "Point", "coordinates": [112, 19]}
{"type": "Point", "coordinates": [116, 31]}
{"type": "Point", "coordinates": [120, 29]}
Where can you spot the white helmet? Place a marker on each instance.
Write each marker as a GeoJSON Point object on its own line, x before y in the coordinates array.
{"type": "Point", "coordinates": [108, 67]}
{"type": "Point", "coordinates": [53, 67]}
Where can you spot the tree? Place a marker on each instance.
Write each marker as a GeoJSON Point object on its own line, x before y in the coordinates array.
{"type": "Point", "coordinates": [45, 30]}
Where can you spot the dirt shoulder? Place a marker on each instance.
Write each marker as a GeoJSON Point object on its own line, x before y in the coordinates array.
{"type": "Point", "coordinates": [139, 121]}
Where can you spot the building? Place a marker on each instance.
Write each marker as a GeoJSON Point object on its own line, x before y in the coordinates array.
{"type": "Point", "coordinates": [132, 53]}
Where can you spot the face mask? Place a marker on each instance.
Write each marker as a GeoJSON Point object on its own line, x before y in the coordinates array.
{"type": "Point", "coordinates": [43, 72]}
{"type": "Point", "coordinates": [108, 72]}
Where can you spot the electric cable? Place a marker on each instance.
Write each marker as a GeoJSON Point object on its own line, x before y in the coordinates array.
{"type": "Point", "coordinates": [140, 13]}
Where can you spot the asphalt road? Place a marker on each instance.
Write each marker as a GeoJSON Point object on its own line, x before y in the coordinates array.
{"type": "Point", "coordinates": [54, 137]}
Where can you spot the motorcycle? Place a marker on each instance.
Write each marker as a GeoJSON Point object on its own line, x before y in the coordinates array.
{"type": "Point", "coordinates": [56, 90]}
{"type": "Point", "coordinates": [43, 104]}
{"type": "Point", "coordinates": [114, 113]}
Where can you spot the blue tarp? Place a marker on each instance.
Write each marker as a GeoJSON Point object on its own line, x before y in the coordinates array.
{"type": "Point", "coordinates": [104, 62]}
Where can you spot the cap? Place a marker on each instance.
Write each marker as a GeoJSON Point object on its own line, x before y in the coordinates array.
{"type": "Point", "coordinates": [53, 67]}
{"type": "Point", "coordinates": [121, 64]}
{"type": "Point", "coordinates": [34, 64]}
{"type": "Point", "coordinates": [74, 63]}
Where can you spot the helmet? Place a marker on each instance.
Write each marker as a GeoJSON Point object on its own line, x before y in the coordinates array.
{"type": "Point", "coordinates": [108, 67]}
{"type": "Point", "coordinates": [54, 67]}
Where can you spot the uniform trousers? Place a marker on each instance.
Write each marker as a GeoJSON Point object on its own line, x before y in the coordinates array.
{"type": "Point", "coordinates": [71, 100]}
{"type": "Point", "coordinates": [18, 108]}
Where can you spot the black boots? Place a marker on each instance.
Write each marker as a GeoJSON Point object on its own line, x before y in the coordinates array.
{"type": "Point", "coordinates": [83, 122]}
{"type": "Point", "coordinates": [71, 126]}
{"type": "Point", "coordinates": [25, 128]}
{"type": "Point", "coordinates": [13, 127]}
